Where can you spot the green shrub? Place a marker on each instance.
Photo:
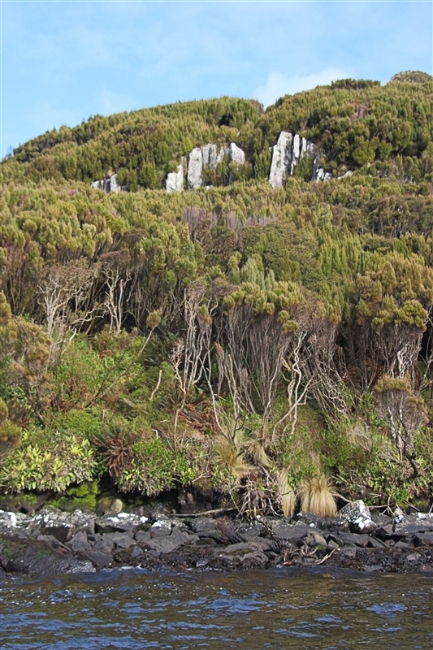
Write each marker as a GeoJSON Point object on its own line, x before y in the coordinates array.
{"type": "Point", "coordinates": [48, 460]}
{"type": "Point", "coordinates": [154, 467]}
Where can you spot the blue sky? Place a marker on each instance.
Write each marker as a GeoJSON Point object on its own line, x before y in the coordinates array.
{"type": "Point", "coordinates": [64, 61]}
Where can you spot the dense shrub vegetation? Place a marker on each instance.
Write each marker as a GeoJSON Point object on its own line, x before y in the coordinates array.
{"type": "Point", "coordinates": [238, 338]}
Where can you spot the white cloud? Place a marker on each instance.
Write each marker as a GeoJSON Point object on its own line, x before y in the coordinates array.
{"type": "Point", "coordinates": [278, 84]}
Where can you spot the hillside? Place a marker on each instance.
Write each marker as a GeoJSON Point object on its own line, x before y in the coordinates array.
{"type": "Point", "coordinates": [267, 329]}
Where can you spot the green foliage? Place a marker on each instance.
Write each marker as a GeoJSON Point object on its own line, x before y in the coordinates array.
{"type": "Point", "coordinates": [343, 266]}
{"type": "Point", "coordinates": [49, 460]}
{"type": "Point", "coordinates": [153, 467]}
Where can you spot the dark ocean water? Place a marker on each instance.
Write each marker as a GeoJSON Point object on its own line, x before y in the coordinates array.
{"type": "Point", "coordinates": [282, 608]}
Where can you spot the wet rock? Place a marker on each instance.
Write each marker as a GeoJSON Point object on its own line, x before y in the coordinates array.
{"type": "Point", "coordinates": [331, 524]}
{"type": "Point", "coordinates": [162, 545]}
{"type": "Point", "coordinates": [422, 539]}
{"type": "Point", "coordinates": [406, 529]}
{"type": "Point", "coordinates": [62, 525]}
{"type": "Point", "coordinates": [123, 522]}
{"type": "Point", "coordinates": [308, 519]}
{"type": "Point", "coordinates": [79, 543]}
{"type": "Point", "coordinates": [251, 530]}
{"type": "Point", "coordinates": [374, 543]}
{"type": "Point", "coordinates": [99, 559]}
{"type": "Point", "coordinates": [36, 557]}
{"type": "Point", "coordinates": [353, 539]}
{"type": "Point", "coordinates": [315, 539]}
{"type": "Point", "coordinates": [161, 528]}
{"type": "Point", "coordinates": [119, 540]}
{"type": "Point", "coordinates": [357, 514]}
{"type": "Point", "coordinates": [205, 527]}
{"type": "Point", "coordinates": [294, 534]}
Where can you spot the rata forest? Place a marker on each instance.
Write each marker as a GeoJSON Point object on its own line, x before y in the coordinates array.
{"type": "Point", "coordinates": [254, 342]}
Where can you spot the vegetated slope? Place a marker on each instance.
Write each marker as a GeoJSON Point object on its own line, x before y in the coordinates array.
{"type": "Point", "coordinates": [238, 335]}
{"type": "Point", "coordinates": [353, 123]}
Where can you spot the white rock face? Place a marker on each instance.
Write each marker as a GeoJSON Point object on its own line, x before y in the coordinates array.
{"type": "Point", "coordinates": [108, 184]}
{"type": "Point", "coordinates": [296, 152]}
{"type": "Point", "coordinates": [319, 173]}
{"type": "Point", "coordinates": [286, 154]}
{"type": "Point", "coordinates": [346, 175]}
{"type": "Point", "coordinates": [210, 155]}
{"type": "Point", "coordinates": [236, 154]}
{"type": "Point", "coordinates": [174, 181]}
{"type": "Point", "coordinates": [195, 168]}
{"type": "Point", "coordinates": [281, 159]}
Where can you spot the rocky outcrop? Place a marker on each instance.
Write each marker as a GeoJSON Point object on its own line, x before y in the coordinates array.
{"type": "Point", "coordinates": [319, 173]}
{"type": "Point", "coordinates": [107, 184]}
{"type": "Point", "coordinates": [200, 158]}
{"type": "Point", "coordinates": [281, 159]}
{"type": "Point", "coordinates": [211, 156]}
{"type": "Point", "coordinates": [174, 181]}
{"type": "Point", "coordinates": [195, 168]}
{"type": "Point", "coordinates": [286, 154]}
{"type": "Point", "coordinates": [236, 154]}
{"type": "Point", "coordinates": [54, 542]}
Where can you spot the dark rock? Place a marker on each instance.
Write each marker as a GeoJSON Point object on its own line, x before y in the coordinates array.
{"type": "Point", "coordinates": [313, 538]}
{"type": "Point", "coordinates": [161, 528]}
{"type": "Point", "coordinates": [123, 522]}
{"type": "Point", "coordinates": [400, 544]}
{"type": "Point", "coordinates": [142, 536]}
{"type": "Point", "coordinates": [354, 539]}
{"type": "Point", "coordinates": [205, 527]}
{"type": "Point", "coordinates": [381, 519]}
{"type": "Point", "coordinates": [375, 543]}
{"type": "Point", "coordinates": [183, 537]}
{"type": "Point", "coordinates": [79, 543]}
{"type": "Point", "coordinates": [408, 528]}
{"type": "Point", "coordinates": [293, 534]}
{"type": "Point", "coordinates": [251, 530]}
{"type": "Point", "coordinates": [61, 532]}
{"type": "Point", "coordinates": [119, 540]}
{"type": "Point", "coordinates": [162, 545]}
{"type": "Point", "coordinates": [333, 524]}
{"type": "Point", "coordinates": [33, 557]}
{"type": "Point", "coordinates": [308, 518]}
{"type": "Point", "coordinates": [348, 553]}
{"type": "Point", "coordinates": [333, 545]}
{"type": "Point", "coordinates": [52, 541]}
{"type": "Point", "coordinates": [99, 559]}
{"type": "Point", "coordinates": [136, 553]}
{"type": "Point", "coordinates": [422, 539]}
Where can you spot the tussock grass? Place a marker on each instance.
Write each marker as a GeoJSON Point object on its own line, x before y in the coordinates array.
{"type": "Point", "coordinates": [317, 498]}
{"type": "Point", "coordinates": [286, 495]}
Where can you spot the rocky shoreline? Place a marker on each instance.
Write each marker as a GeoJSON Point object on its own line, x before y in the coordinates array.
{"type": "Point", "coordinates": [52, 542]}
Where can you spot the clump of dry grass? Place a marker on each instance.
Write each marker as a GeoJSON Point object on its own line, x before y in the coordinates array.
{"type": "Point", "coordinates": [317, 498]}
{"type": "Point", "coordinates": [286, 495]}
{"type": "Point", "coordinates": [229, 455]}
